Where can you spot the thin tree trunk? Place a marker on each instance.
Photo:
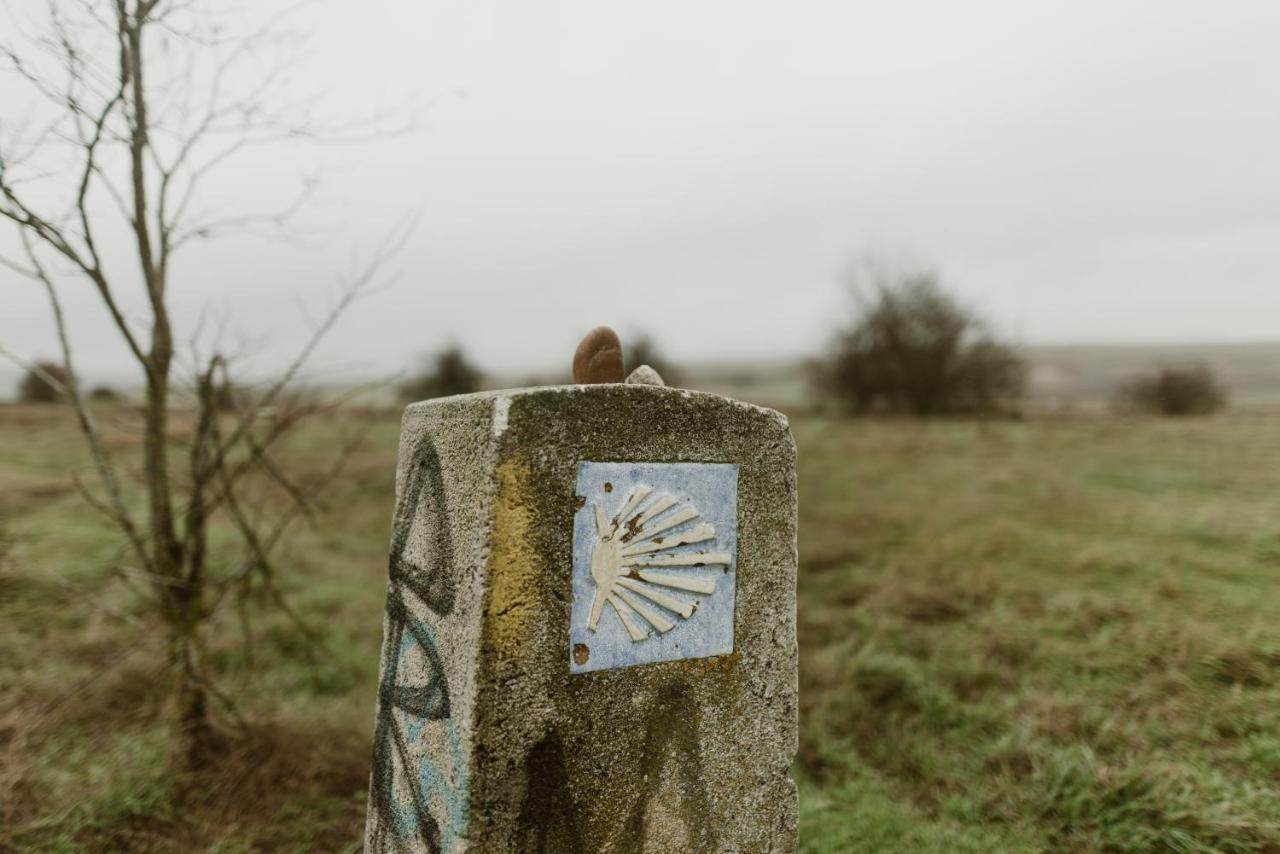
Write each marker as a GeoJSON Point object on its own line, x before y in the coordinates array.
{"type": "Point", "coordinates": [191, 712]}
{"type": "Point", "coordinates": [186, 603]}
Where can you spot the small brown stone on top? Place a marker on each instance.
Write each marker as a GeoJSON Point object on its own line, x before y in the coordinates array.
{"type": "Point", "coordinates": [599, 358]}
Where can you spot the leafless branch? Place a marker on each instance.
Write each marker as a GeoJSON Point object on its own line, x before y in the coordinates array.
{"type": "Point", "coordinates": [101, 458]}
{"type": "Point", "coordinates": [278, 430]}
{"type": "Point", "coordinates": [369, 276]}
{"type": "Point", "coordinates": [257, 555]}
{"type": "Point", "coordinates": [305, 505]}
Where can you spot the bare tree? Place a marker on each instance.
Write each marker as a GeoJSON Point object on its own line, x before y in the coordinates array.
{"type": "Point", "coordinates": [42, 383]}
{"type": "Point", "coordinates": [913, 348]}
{"type": "Point", "coordinates": [450, 372]}
{"type": "Point", "coordinates": [125, 147]}
{"type": "Point", "coordinates": [645, 351]}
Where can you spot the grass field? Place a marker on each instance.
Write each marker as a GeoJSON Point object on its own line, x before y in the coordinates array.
{"type": "Point", "coordinates": [1057, 635]}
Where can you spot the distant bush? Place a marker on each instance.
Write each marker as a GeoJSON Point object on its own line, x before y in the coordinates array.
{"type": "Point", "coordinates": [1186, 390]}
{"type": "Point", "coordinates": [449, 373]}
{"type": "Point", "coordinates": [645, 352]}
{"type": "Point", "coordinates": [913, 348]}
{"type": "Point", "coordinates": [226, 396]}
{"type": "Point", "coordinates": [36, 387]}
{"type": "Point", "coordinates": [104, 394]}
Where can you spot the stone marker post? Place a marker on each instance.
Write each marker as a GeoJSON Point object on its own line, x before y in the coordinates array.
{"type": "Point", "coordinates": [590, 632]}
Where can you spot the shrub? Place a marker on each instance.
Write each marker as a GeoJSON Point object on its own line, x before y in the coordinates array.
{"type": "Point", "coordinates": [913, 348]}
{"type": "Point", "coordinates": [449, 373]}
{"type": "Point", "coordinates": [36, 386]}
{"type": "Point", "coordinates": [1186, 390]}
{"type": "Point", "coordinates": [104, 394]}
{"type": "Point", "coordinates": [226, 396]}
{"type": "Point", "coordinates": [646, 352]}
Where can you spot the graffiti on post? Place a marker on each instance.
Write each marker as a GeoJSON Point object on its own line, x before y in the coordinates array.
{"type": "Point", "coordinates": [419, 786]}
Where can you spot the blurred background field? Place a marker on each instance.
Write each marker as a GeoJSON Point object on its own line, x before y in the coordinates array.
{"type": "Point", "coordinates": [1052, 633]}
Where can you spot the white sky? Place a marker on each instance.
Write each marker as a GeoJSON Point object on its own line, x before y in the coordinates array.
{"type": "Point", "coordinates": [1082, 171]}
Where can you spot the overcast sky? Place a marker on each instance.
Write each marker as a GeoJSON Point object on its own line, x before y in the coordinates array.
{"type": "Point", "coordinates": [705, 171]}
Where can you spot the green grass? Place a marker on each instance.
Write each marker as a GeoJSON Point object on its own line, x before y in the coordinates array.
{"type": "Point", "coordinates": [1050, 635]}
{"type": "Point", "coordinates": [85, 761]}
{"type": "Point", "coordinates": [1040, 636]}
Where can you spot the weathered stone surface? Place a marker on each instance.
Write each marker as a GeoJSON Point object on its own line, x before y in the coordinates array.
{"type": "Point", "coordinates": [598, 358]}
{"type": "Point", "coordinates": [485, 739]}
{"type": "Point", "coordinates": [645, 375]}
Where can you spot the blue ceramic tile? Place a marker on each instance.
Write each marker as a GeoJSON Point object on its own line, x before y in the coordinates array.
{"type": "Point", "coordinates": [711, 489]}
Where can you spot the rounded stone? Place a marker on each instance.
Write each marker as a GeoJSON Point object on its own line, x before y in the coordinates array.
{"type": "Point", "coordinates": [598, 358]}
{"type": "Point", "coordinates": [645, 375]}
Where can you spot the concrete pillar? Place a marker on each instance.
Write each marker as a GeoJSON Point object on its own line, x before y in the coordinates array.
{"type": "Point", "coordinates": [590, 634]}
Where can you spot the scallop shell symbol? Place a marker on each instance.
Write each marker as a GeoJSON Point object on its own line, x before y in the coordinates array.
{"type": "Point", "coordinates": [630, 549]}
